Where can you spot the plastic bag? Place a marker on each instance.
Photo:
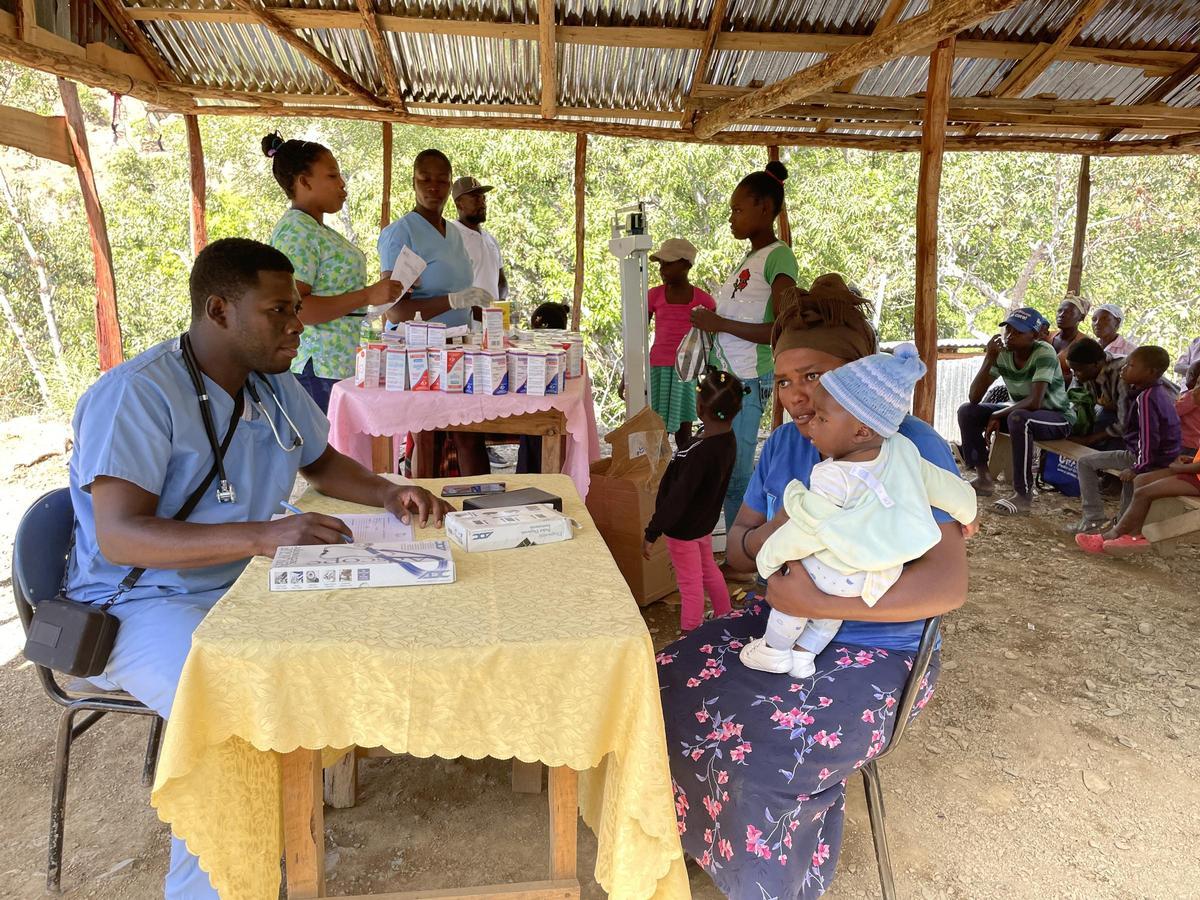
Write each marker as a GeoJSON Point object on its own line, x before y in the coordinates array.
{"type": "Point", "coordinates": [692, 355]}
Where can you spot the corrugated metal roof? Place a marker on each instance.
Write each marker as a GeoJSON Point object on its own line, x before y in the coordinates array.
{"type": "Point", "coordinates": [494, 72]}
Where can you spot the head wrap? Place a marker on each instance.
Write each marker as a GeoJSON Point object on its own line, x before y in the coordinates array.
{"type": "Point", "coordinates": [828, 317]}
{"type": "Point", "coordinates": [1080, 303]}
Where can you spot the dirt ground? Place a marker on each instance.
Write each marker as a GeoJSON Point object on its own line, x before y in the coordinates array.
{"type": "Point", "coordinates": [1058, 758]}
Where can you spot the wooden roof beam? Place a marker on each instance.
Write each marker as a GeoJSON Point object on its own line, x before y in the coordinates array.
{"type": "Point", "coordinates": [1156, 63]}
{"type": "Point", "coordinates": [274, 23]}
{"type": "Point", "coordinates": [707, 48]}
{"type": "Point", "coordinates": [546, 57]}
{"type": "Point", "coordinates": [889, 17]}
{"type": "Point", "coordinates": [1027, 71]}
{"type": "Point", "coordinates": [383, 56]}
{"type": "Point", "coordinates": [135, 39]}
{"type": "Point", "coordinates": [1165, 88]}
{"type": "Point", "coordinates": [942, 21]}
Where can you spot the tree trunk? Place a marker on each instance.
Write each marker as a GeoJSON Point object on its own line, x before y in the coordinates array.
{"type": "Point", "coordinates": [45, 285]}
{"type": "Point", "coordinates": [11, 317]}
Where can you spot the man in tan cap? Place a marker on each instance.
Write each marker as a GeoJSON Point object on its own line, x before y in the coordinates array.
{"type": "Point", "coordinates": [470, 197]}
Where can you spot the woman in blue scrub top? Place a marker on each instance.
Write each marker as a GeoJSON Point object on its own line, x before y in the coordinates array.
{"type": "Point", "coordinates": [759, 762]}
{"type": "Point", "coordinates": [446, 282]}
{"type": "Point", "coordinates": [444, 293]}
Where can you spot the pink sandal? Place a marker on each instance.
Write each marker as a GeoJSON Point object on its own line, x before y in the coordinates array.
{"type": "Point", "coordinates": [1127, 545]}
{"type": "Point", "coordinates": [1091, 543]}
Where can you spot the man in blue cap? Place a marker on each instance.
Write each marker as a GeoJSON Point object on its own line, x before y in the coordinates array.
{"type": "Point", "coordinates": [1040, 410]}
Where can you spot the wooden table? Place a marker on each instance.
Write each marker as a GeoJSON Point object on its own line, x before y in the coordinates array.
{"type": "Point", "coordinates": [550, 425]}
{"type": "Point", "coordinates": [304, 838]}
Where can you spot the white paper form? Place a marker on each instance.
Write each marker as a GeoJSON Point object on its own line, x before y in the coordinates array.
{"type": "Point", "coordinates": [407, 268]}
{"type": "Point", "coordinates": [374, 528]}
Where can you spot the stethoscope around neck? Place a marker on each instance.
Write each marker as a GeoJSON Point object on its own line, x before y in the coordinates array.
{"type": "Point", "coordinates": [225, 489]}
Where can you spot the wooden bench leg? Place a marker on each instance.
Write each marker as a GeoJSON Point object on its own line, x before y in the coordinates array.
{"type": "Point", "coordinates": [564, 822]}
{"type": "Point", "coordinates": [526, 777]}
{"type": "Point", "coordinates": [303, 823]}
{"type": "Point", "coordinates": [552, 454]}
{"type": "Point", "coordinates": [341, 781]}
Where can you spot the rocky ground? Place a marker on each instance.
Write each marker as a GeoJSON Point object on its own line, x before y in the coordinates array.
{"type": "Point", "coordinates": [1058, 758]}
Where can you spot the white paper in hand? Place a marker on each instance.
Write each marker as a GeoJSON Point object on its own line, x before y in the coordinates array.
{"type": "Point", "coordinates": [407, 268]}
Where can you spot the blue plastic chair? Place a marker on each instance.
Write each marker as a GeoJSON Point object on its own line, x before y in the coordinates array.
{"type": "Point", "coordinates": [870, 771]}
{"type": "Point", "coordinates": [39, 563]}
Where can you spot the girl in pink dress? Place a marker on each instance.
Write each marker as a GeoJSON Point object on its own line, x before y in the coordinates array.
{"type": "Point", "coordinates": [670, 305]}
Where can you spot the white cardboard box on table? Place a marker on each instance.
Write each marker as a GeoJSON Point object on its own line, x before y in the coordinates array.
{"type": "Point", "coordinates": [508, 527]}
{"type": "Point", "coordinates": [327, 567]}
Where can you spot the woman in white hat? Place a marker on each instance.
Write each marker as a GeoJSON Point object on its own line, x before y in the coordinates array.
{"type": "Point", "coordinates": [1106, 325]}
{"type": "Point", "coordinates": [670, 305]}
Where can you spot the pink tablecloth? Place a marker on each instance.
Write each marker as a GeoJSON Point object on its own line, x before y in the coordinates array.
{"type": "Point", "coordinates": [356, 414]}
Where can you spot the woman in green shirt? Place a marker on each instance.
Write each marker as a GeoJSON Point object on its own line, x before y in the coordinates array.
{"type": "Point", "coordinates": [331, 273]}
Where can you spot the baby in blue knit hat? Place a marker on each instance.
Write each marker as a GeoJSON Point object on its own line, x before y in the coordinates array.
{"type": "Point", "coordinates": [866, 511]}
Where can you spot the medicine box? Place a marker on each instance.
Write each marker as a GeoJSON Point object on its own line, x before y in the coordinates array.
{"type": "Point", "coordinates": [536, 373]}
{"type": "Point", "coordinates": [435, 335]}
{"type": "Point", "coordinates": [416, 334]}
{"type": "Point", "coordinates": [491, 372]}
{"type": "Point", "coordinates": [327, 567]}
{"type": "Point", "coordinates": [507, 528]}
{"type": "Point", "coordinates": [418, 370]}
{"type": "Point", "coordinates": [518, 371]}
{"type": "Point", "coordinates": [366, 365]}
{"type": "Point", "coordinates": [451, 361]}
{"type": "Point", "coordinates": [395, 376]}
{"type": "Point", "coordinates": [493, 328]}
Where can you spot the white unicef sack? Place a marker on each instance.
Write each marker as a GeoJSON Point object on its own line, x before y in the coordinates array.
{"type": "Point", "coordinates": [692, 355]}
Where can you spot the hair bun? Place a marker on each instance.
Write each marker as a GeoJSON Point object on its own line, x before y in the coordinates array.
{"type": "Point", "coordinates": [777, 170]}
{"type": "Point", "coordinates": [271, 144]}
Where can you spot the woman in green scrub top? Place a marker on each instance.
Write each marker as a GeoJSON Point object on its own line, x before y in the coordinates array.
{"type": "Point", "coordinates": [331, 273]}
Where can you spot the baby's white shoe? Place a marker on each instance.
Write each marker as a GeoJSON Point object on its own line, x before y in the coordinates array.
{"type": "Point", "coordinates": [758, 655]}
{"type": "Point", "coordinates": [804, 664]}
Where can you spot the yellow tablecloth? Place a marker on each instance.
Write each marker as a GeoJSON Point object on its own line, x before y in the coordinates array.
{"type": "Point", "coordinates": [538, 653]}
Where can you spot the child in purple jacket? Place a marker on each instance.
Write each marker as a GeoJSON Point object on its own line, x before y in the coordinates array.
{"type": "Point", "coordinates": [1152, 441]}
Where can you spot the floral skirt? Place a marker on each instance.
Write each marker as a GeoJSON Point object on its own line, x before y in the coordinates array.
{"type": "Point", "coordinates": [759, 762]}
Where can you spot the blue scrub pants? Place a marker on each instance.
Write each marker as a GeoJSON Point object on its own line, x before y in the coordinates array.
{"type": "Point", "coordinates": [745, 429]}
{"type": "Point", "coordinates": [152, 643]}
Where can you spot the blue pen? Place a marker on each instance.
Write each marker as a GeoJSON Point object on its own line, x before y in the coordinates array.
{"type": "Point", "coordinates": [299, 512]}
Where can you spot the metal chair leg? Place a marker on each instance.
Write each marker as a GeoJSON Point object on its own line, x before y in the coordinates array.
{"type": "Point", "coordinates": [58, 799]}
{"type": "Point", "coordinates": [152, 745]}
{"type": "Point", "coordinates": [874, 792]}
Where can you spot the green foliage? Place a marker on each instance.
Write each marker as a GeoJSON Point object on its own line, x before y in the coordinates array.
{"type": "Point", "coordinates": [1005, 225]}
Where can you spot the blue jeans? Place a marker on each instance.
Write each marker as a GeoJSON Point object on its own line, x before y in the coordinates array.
{"type": "Point", "coordinates": [745, 429]}
{"type": "Point", "coordinates": [152, 643]}
{"type": "Point", "coordinates": [318, 388]}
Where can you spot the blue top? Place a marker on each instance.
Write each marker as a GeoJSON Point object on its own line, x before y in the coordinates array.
{"type": "Point", "coordinates": [141, 423]}
{"type": "Point", "coordinates": [788, 454]}
{"type": "Point", "coordinates": [448, 267]}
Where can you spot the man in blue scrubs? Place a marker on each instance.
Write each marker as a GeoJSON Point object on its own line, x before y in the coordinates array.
{"type": "Point", "coordinates": [141, 449]}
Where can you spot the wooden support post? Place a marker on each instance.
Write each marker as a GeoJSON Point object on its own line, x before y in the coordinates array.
{"type": "Point", "coordinates": [785, 228]}
{"type": "Point", "coordinates": [581, 142]}
{"type": "Point", "coordinates": [546, 54]}
{"type": "Point", "coordinates": [198, 187]}
{"type": "Point", "coordinates": [303, 823]}
{"type": "Point", "coordinates": [385, 205]}
{"type": "Point", "coordinates": [25, 16]}
{"type": "Point", "coordinates": [527, 777]}
{"type": "Point", "coordinates": [564, 822]}
{"type": "Point", "coordinates": [1083, 198]}
{"type": "Point", "coordinates": [108, 325]}
{"type": "Point", "coordinates": [933, 136]}
{"type": "Point", "coordinates": [341, 781]}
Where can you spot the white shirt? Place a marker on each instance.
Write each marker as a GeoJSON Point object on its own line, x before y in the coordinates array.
{"type": "Point", "coordinates": [484, 252]}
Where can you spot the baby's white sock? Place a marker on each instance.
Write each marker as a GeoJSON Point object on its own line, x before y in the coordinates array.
{"type": "Point", "coordinates": [783, 630]}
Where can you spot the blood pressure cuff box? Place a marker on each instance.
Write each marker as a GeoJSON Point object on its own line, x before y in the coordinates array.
{"type": "Point", "coordinates": [74, 638]}
{"type": "Point", "coordinates": [522, 497]}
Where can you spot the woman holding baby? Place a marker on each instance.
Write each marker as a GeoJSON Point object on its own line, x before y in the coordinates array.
{"type": "Point", "coordinates": [760, 760]}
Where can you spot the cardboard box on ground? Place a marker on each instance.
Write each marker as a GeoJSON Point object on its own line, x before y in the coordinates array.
{"type": "Point", "coordinates": [621, 501]}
